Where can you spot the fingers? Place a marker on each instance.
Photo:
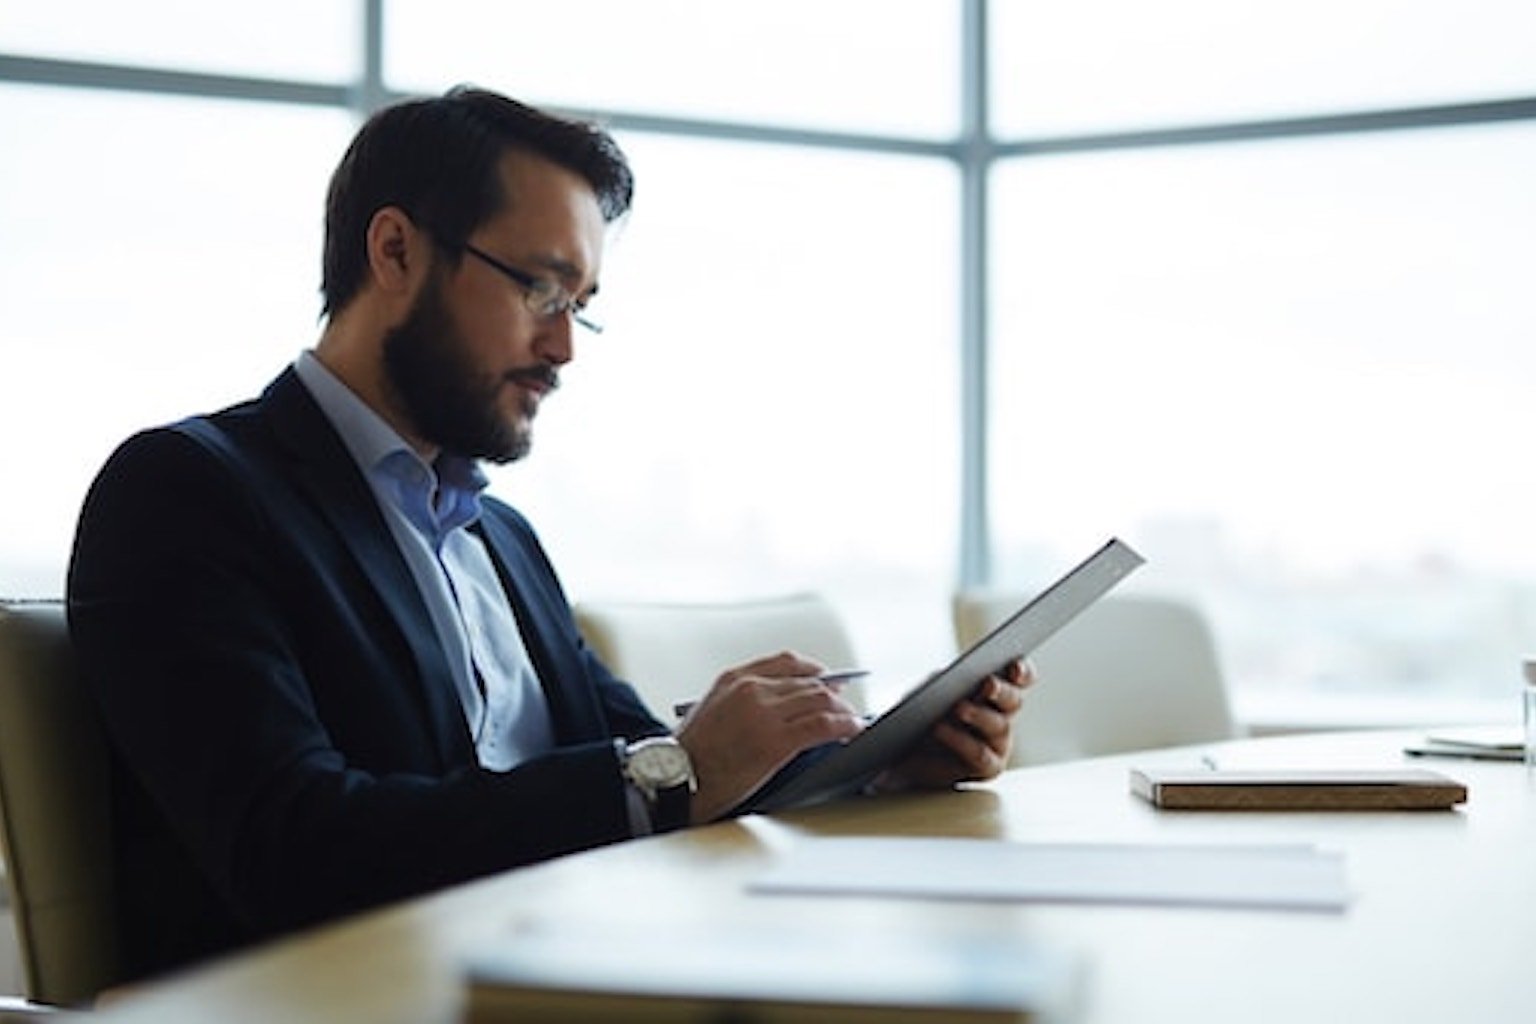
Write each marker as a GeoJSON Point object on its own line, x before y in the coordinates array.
{"type": "Point", "coordinates": [785, 664]}
{"type": "Point", "coordinates": [760, 714]}
{"type": "Point", "coordinates": [984, 725]}
{"type": "Point", "coordinates": [988, 718]}
{"type": "Point", "coordinates": [979, 730]}
{"type": "Point", "coordinates": [1020, 673]}
{"type": "Point", "coordinates": [1004, 691]}
{"type": "Point", "coordinates": [753, 721]}
{"type": "Point", "coordinates": [800, 698]}
{"type": "Point", "coordinates": [1018, 676]}
{"type": "Point", "coordinates": [1002, 696]}
{"type": "Point", "coordinates": [978, 734]}
{"type": "Point", "coordinates": [949, 754]}
{"type": "Point", "coordinates": [976, 757]}
{"type": "Point", "coordinates": [781, 687]}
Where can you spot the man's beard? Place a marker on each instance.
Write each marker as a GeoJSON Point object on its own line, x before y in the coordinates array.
{"type": "Point", "coordinates": [449, 402]}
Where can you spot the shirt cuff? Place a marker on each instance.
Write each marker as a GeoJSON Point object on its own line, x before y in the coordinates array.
{"type": "Point", "coordinates": [639, 813]}
{"type": "Point", "coordinates": [634, 801]}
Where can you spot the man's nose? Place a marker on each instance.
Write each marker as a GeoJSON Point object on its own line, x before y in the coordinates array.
{"type": "Point", "coordinates": [555, 340]}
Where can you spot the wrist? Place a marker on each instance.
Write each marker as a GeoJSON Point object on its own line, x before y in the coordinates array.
{"type": "Point", "coordinates": [659, 769]}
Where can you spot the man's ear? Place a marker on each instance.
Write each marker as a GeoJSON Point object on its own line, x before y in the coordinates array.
{"type": "Point", "coordinates": [397, 252]}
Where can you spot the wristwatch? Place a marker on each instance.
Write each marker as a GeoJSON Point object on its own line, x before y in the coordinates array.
{"type": "Point", "coordinates": [660, 769]}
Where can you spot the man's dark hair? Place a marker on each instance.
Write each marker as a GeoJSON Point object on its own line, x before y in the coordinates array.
{"type": "Point", "coordinates": [439, 160]}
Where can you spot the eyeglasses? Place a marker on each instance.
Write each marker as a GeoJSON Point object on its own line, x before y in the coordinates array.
{"type": "Point", "coordinates": [543, 296]}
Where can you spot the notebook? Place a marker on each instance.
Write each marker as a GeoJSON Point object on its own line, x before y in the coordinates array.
{"type": "Point", "coordinates": [1395, 789]}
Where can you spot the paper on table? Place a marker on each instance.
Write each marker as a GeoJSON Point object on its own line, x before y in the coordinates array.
{"type": "Point", "coordinates": [664, 971]}
{"type": "Point", "coordinates": [1298, 877]}
{"type": "Point", "coordinates": [1489, 743]}
{"type": "Point", "coordinates": [1501, 737]}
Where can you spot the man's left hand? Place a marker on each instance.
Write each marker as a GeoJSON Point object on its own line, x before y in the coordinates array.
{"type": "Point", "coordinates": [972, 742]}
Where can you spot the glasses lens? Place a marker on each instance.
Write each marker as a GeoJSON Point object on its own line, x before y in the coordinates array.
{"type": "Point", "coordinates": [544, 297]}
{"type": "Point", "coordinates": [553, 301]}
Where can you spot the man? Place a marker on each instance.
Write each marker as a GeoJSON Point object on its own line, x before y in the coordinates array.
{"type": "Point", "coordinates": [332, 671]}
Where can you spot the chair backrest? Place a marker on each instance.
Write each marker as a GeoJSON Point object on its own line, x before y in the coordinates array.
{"type": "Point", "coordinates": [1130, 673]}
{"type": "Point", "coordinates": [674, 652]}
{"type": "Point", "coordinates": [54, 810]}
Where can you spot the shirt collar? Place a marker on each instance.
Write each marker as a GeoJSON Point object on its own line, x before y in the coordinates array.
{"type": "Point", "coordinates": [444, 497]}
{"type": "Point", "coordinates": [367, 436]}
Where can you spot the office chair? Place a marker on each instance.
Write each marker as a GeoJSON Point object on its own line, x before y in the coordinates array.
{"type": "Point", "coordinates": [54, 811]}
{"type": "Point", "coordinates": [673, 652]}
{"type": "Point", "coordinates": [1130, 673]}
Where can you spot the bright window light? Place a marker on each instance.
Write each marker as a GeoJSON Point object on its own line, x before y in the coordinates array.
{"type": "Point", "coordinates": [161, 258]}
{"type": "Point", "coordinates": [855, 65]}
{"type": "Point", "coordinates": [316, 39]}
{"type": "Point", "coordinates": [1295, 372]}
{"type": "Point", "coordinates": [1104, 65]}
{"type": "Point", "coordinates": [774, 404]}
{"type": "Point", "coordinates": [1301, 372]}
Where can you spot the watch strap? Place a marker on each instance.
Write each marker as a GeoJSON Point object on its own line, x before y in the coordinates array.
{"type": "Point", "coordinates": [666, 808]}
{"type": "Point", "coordinates": [672, 809]}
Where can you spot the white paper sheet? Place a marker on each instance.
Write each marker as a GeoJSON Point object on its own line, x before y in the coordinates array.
{"type": "Point", "coordinates": [1299, 877]}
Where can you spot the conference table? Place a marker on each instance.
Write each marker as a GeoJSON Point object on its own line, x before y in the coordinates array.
{"type": "Point", "coordinates": [1440, 925]}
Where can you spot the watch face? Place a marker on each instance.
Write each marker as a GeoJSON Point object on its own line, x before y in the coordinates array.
{"type": "Point", "coordinates": [662, 765]}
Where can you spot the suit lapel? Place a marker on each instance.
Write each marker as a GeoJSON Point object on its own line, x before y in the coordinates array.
{"type": "Point", "coordinates": [327, 474]}
{"type": "Point", "coordinates": [546, 631]}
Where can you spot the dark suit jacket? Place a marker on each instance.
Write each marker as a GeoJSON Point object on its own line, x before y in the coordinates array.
{"type": "Point", "coordinates": [289, 745]}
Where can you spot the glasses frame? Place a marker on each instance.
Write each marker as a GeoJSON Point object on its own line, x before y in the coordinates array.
{"type": "Point", "coordinates": [543, 297]}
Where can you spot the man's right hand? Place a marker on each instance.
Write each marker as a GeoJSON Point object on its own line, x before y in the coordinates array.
{"type": "Point", "coordinates": [753, 721]}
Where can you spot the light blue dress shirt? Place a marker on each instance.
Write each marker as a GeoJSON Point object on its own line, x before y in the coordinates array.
{"type": "Point", "coordinates": [427, 507]}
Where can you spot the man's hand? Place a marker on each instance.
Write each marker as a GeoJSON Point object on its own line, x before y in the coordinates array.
{"type": "Point", "coordinates": [972, 742]}
{"type": "Point", "coordinates": [753, 721]}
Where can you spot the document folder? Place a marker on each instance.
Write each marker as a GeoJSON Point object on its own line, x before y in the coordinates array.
{"type": "Point", "coordinates": [840, 770]}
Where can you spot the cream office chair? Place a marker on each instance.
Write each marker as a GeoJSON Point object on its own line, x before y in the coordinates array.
{"type": "Point", "coordinates": [673, 652]}
{"type": "Point", "coordinates": [54, 811]}
{"type": "Point", "coordinates": [1130, 673]}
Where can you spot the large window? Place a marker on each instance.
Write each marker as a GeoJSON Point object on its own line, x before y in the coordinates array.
{"type": "Point", "coordinates": [297, 39]}
{"type": "Point", "coordinates": [751, 422]}
{"type": "Point", "coordinates": [1104, 65]}
{"type": "Point", "coordinates": [157, 260]}
{"type": "Point", "coordinates": [864, 66]}
{"type": "Point", "coordinates": [1300, 372]}
{"type": "Point", "coordinates": [1249, 285]}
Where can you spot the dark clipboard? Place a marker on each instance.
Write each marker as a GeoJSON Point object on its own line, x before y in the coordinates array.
{"type": "Point", "coordinates": [846, 768]}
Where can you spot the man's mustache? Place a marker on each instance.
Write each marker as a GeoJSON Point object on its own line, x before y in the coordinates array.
{"type": "Point", "coordinates": [544, 376]}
